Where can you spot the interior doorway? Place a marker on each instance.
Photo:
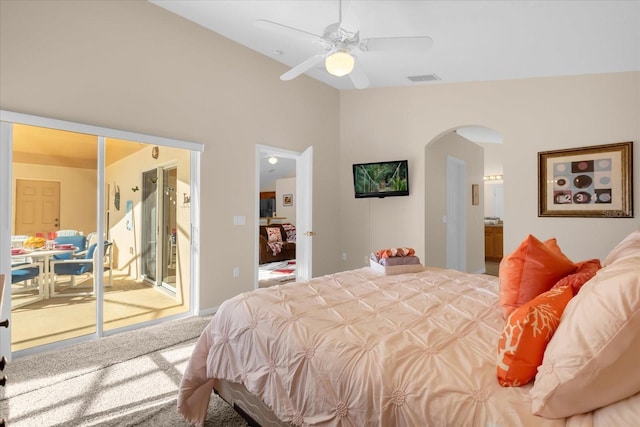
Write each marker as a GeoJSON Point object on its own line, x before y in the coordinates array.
{"type": "Point", "coordinates": [285, 177]}
{"type": "Point", "coordinates": [454, 223]}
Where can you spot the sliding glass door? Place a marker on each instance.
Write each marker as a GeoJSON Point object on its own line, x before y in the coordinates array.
{"type": "Point", "coordinates": [150, 225]}
{"type": "Point", "coordinates": [54, 213]}
{"type": "Point", "coordinates": [159, 230]}
{"type": "Point", "coordinates": [169, 229]}
{"type": "Point", "coordinates": [151, 233]}
{"type": "Point", "coordinates": [120, 198]}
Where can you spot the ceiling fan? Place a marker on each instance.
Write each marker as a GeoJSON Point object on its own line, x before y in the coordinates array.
{"type": "Point", "coordinates": [342, 48]}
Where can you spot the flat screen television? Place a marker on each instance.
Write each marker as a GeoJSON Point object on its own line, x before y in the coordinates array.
{"type": "Point", "coordinates": [381, 179]}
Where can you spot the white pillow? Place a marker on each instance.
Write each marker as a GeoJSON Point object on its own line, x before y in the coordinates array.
{"type": "Point", "coordinates": [592, 360]}
{"type": "Point", "coordinates": [629, 246]}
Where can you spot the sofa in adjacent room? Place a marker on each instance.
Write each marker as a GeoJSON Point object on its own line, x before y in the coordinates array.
{"type": "Point", "coordinates": [277, 243]}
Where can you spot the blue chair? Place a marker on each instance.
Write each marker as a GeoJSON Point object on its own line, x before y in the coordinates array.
{"type": "Point", "coordinates": [80, 266]}
{"type": "Point", "coordinates": [68, 233]}
{"type": "Point", "coordinates": [79, 241]}
{"type": "Point", "coordinates": [29, 276]}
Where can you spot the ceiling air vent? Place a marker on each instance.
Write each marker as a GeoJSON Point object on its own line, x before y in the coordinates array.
{"type": "Point", "coordinates": [424, 78]}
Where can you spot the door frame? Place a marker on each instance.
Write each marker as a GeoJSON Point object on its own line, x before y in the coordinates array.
{"type": "Point", "coordinates": [7, 119]}
{"type": "Point", "coordinates": [304, 258]}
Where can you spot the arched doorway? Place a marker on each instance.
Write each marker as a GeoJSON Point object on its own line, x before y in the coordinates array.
{"type": "Point", "coordinates": [454, 232]}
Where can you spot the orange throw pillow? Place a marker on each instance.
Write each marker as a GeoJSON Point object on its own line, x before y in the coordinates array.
{"type": "Point", "coordinates": [533, 268]}
{"type": "Point", "coordinates": [526, 334]}
{"type": "Point", "coordinates": [586, 270]}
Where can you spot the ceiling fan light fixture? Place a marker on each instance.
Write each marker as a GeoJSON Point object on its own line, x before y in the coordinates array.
{"type": "Point", "coordinates": [339, 63]}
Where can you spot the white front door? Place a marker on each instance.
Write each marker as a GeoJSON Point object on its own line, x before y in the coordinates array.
{"type": "Point", "coordinates": [37, 207]}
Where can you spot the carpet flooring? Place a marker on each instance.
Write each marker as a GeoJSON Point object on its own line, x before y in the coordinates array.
{"type": "Point", "coordinates": [128, 379]}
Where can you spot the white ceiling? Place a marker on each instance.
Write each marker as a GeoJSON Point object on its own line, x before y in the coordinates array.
{"type": "Point", "coordinates": [269, 174]}
{"type": "Point", "coordinates": [472, 40]}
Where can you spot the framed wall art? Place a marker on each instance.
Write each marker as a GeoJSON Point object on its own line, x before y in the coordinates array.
{"type": "Point", "coordinates": [591, 181]}
{"type": "Point", "coordinates": [287, 200]}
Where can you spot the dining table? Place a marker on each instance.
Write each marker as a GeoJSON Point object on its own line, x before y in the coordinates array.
{"type": "Point", "coordinates": [44, 256]}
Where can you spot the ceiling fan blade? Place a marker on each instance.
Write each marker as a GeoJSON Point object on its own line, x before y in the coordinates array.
{"type": "Point", "coordinates": [354, 13]}
{"type": "Point", "coordinates": [303, 67]}
{"type": "Point", "coordinates": [359, 77]}
{"type": "Point", "coordinates": [287, 31]}
{"type": "Point", "coordinates": [399, 44]}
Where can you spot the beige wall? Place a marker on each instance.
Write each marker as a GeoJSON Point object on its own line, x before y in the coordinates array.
{"type": "Point", "coordinates": [493, 157]}
{"type": "Point", "coordinates": [136, 67]}
{"type": "Point", "coordinates": [133, 66]}
{"type": "Point", "coordinates": [77, 193]}
{"type": "Point", "coordinates": [532, 114]}
{"type": "Point", "coordinates": [286, 186]}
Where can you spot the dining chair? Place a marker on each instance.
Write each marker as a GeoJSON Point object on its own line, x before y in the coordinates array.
{"type": "Point", "coordinates": [61, 233]}
{"type": "Point", "coordinates": [93, 238]}
{"type": "Point", "coordinates": [80, 266]}
{"type": "Point", "coordinates": [17, 240]}
{"type": "Point", "coordinates": [78, 241]}
{"type": "Point", "coordinates": [90, 240]}
{"type": "Point", "coordinates": [27, 277]}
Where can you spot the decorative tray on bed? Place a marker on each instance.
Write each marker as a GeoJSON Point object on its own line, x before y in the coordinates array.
{"type": "Point", "coordinates": [395, 269]}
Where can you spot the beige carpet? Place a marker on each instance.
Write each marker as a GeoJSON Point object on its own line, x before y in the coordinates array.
{"type": "Point", "coordinates": [129, 379]}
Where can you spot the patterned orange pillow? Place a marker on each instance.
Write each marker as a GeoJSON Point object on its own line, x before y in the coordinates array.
{"type": "Point", "coordinates": [526, 334]}
{"type": "Point", "coordinates": [533, 268]}
{"type": "Point", "coordinates": [586, 270]}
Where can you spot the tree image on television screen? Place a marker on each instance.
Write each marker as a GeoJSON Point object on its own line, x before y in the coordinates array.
{"type": "Point", "coordinates": [381, 177]}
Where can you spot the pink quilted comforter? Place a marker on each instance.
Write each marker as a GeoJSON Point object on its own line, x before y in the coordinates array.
{"type": "Point", "coordinates": [360, 349]}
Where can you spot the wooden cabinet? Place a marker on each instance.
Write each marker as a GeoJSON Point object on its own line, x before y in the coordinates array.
{"type": "Point", "coordinates": [493, 242]}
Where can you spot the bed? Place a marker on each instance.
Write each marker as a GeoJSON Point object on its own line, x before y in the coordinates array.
{"type": "Point", "coordinates": [419, 349]}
